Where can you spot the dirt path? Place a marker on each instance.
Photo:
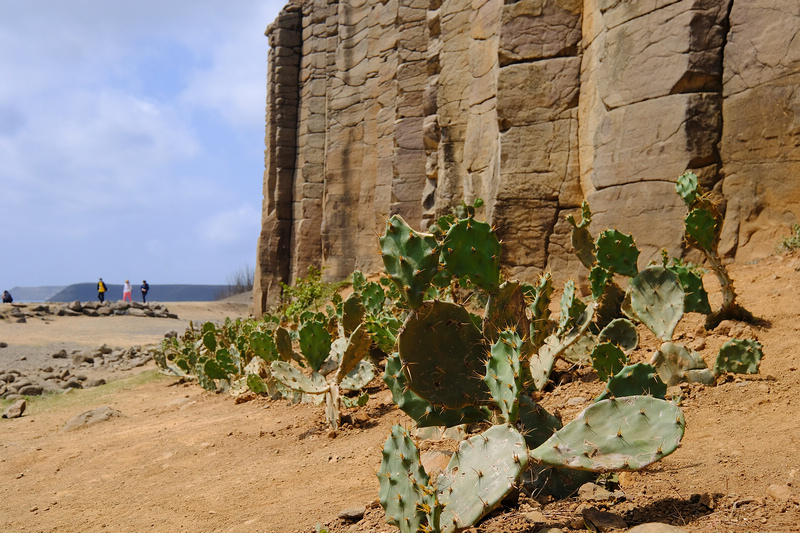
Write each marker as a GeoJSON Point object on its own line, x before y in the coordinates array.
{"type": "Point", "coordinates": [184, 460]}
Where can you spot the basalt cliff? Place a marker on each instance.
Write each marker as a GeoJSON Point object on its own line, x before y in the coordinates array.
{"type": "Point", "coordinates": [377, 107]}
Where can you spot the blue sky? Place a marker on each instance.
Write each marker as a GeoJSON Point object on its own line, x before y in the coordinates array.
{"type": "Point", "coordinates": [131, 139]}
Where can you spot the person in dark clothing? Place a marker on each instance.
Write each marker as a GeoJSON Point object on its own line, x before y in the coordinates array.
{"type": "Point", "coordinates": [7, 299]}
{"type": "Point", "coordinates": [101, 290]}
{"type": "Point", "coordinates": [145, 288]}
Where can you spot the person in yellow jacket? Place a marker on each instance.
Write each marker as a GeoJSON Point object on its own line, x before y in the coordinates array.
{"type": "Point", "coordinates": [101, 290]}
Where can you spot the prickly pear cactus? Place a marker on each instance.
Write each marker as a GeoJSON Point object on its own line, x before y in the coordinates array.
{"type": "Point", "coordinates": [621, 332]}
{"type": "Point", "coordinates": [296, 380]}
{"type": "Point", "coordinates": [599, 278]}
{"type": "Point", "coordinates": [702, 229]}
{"type": "Point", "coordinates": [537, 425]}
{"type": "Point", "coordinates": [655, 298]}
{"type": "Point", "coordinates": [404, 485]}
{"type": "Point", "coordinates": [352, 313]}
{"type": "Point", "coordinates": [539, 306]}
{"type": "Point", "coordinates": [315, 343]}
{"type": "Point", "coordinates": [688, 187]}
{"type": "Point", "coordinates": [356, 349]}
{"type": "Point", "coordinates": [675, 363]}
{"type": "Point", "coordinates": [505, 309]}
{"type": "Point", "coordinates": [607, 359]}
{"type": "Point", "coordinates": [480, 474]}
{"type": "Point", "coordinates": [283, 343]}
{"type": "Point", "coordinates": [263, 345]}
{"type": "Point", "coordinates": [541, 364]}
{"type": "Point", "coordinates": [627, 433]}
{"type": "Point", "coordinates": [422, 411]}
{"type": "Point", "coordinates": [411, 259]}
{"type": "Point", "coordinates": [373, 297]}
{"type": "Point", "coordinates": [635, 380]}
{"type": "Point", "coordinates": [358, 378]}
{"type": "Point", "coordinates": [571, 308]}
{"type": "Point", "coordinates": [739, 356]}
{"type": "Point", "coordinates": [443, 355]}
{"type": "Point", "coordinates": [616, 252]}
{"type": "Point", "coordinates": [582, 241]}
{"type": "Point", "coordinates": [472, 249]}
{"type": "Point", "coordinates": [696, 296]}
{"type": "Point", "coordinates": [503, 374]}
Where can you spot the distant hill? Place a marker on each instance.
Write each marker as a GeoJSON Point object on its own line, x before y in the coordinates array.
{"type": "Point", "coordinates": [34, 294]}
{"type": "Point", "coordinates": [158, 293]}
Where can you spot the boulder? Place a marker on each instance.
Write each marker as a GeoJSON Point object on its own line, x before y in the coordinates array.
{"type": "Point", "coordinates": [95, 416]}
{"type": "Point", "coordinates": [16, 409]}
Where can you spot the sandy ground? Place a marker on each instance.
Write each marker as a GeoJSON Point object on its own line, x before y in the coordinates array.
{"type": "Point", "coordinates": [181, 459]}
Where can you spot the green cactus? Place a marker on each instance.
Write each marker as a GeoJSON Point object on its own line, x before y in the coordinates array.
{"type": "Point", "coordinates": [539, 306]}
{"type": "Point", "coordinates": [571, 308]}
{"type": "Point", "coordinates": [352, 313]}
{"type": "Point", "coordinates": [442, 353]}
{"type": "Point", "coordinates": [702, 229]}
{"type": "Point", "coordinates": [283, 343]}
{"type": "Point", "coordinates": [688, 188]}
{"type": "Point", "coordinates": [537, 425]}
{"type": "Point", "coordinates": [480, 474]}
{"type": "Point", "coordinates": [472, 249]}
{"type": "Point", "coordinates": [505, 309]}
{"type": "Point", "coordinates": [580, 352]}
{"type": "Point", "coordinates": [356, 349]}
{"type": "Point", "coordinates": [675, 363]}
{"type": "Point", "coordinates": [621, 332]}
{"type": "Point", "coordinates": [656, 299]}
{"type": "Point", "coordinates": [696, 296]}
{"type": "Point", "coordinates": [315, 343]}
{"type": "Point", "coordinates": [422, 411]}
{"type": "Point", "coordinates": [358, 377]}
{"type": "Point", "coordinates": [599, 278]}
{"type": "Point", "coordinates": [616, 252]}
{"type": "Point", "coordinates": [405, 488]}
{"type": "Point", "coordinates": [626, 433]}
{"type": "Point", "coordinates": [263, 345]}
{"type": "Point", "coordinates": [739, 356]}
{"type": "Point", "coordinates": [292, 378]}
{"type": "Point", "coordinates": [411, 259]}
{"type": "Point", "coordinates": [503, 374]}
{"type": "Point", "coordinates": [582, 241]}
{"type": "Point", "coordinates": [373, 298]}
{"type": "Point", "coordinates": [541, 364]}
{"type": "Point", "coordinates": [607, 359]}
{"type": "Point", "coordinates": [635, 380]}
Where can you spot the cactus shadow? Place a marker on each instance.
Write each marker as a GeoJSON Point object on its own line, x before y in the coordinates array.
{"type": "Point", "coordinates": [675, 511]}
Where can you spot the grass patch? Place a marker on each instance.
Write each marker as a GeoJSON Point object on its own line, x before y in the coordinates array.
{"type": "Point", "coordinates": [79, 397]}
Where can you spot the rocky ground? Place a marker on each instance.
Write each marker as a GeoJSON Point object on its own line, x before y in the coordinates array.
{"type": "Point", "coordinates": [178, 458]}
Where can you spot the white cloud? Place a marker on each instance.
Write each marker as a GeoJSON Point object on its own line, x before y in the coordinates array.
{"type": "Point", "coordinates": [230, 227]}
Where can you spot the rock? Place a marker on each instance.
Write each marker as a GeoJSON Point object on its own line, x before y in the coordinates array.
{"type": "Point", "coordinates": [536, 517]}
{"type": "Point", "coordinates": [589, 492]}
{"type": "Point", "coordinates": [3, 345]}
{"type": "Point", "coordinates": [354, 515]}
{"type": "Point", "coordinates": [61, 354]}
{"type": "Point", "coordinates": [656, 527]}
{"type": "Point", "coordinates": [79, 359]}
{"type": "Point", "coordinates": [15, 410]}
{"type": "Point", "coordinates": [95, 416]}
{"type": "Point", "coordinates": [578, 400]}
{"type": "Point", "coordinates": [94, 383]}
{"type": "Point", "coordinates": [602, 521]}
{"type": "Point", "coordinates": [30, 390]}
{"type": "Point", "coordinates": [780, 493]}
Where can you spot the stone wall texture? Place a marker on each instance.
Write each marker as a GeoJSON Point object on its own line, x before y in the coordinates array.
{"type": "Point", "coordinates": [377, 107]}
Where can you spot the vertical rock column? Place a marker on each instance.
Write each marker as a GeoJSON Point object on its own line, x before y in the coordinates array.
{"type": "Point", "coordinates": [274, 242]}
{"type": "Point", "coordinates": [311, 135]}
{"type": "Point", "coordinates": [761, 131]}
{"type": "Point", "coordinates": [537, 99]}
{"type": "Point", "coordinates": [650, 108]}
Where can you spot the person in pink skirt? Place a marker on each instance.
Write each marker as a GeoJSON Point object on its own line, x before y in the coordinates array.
{"type": "Point", "coordinates": [126, 291]}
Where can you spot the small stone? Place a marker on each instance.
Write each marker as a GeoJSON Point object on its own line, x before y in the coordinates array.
{"type": "Point", "coordinates": [780, 493]}
{"type": "Point", "coordinates": [15, 410]}
{"type": "Point", "coordinates": [589, 492]}
{"type": "Point", "coordinates": [656, 527]}
{"type": "Point", "coordinates": [536, 517]}
{"type": "Point", "coordinates": [602, 521]}
{"type": "Point", "coordinates": [3, 345]}
{"type": "Point", "coordinates": [578, 400]}
{"type": "Point", "coordinates": [355, 514]}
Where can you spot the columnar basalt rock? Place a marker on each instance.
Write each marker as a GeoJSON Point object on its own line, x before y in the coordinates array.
{"type": "Point", "coordinates": [382, 107]}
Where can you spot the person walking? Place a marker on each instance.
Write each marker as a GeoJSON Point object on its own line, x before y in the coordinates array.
{"type": "Point", "coordinates": [145, 288]}
{"type": "Point", "coordinates": [126, 291]}
{"type": "Point", "coordinates": [101, 290]}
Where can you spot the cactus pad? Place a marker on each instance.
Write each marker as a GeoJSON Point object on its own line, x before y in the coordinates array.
{"type": "Point", "coordinates": [675, 363]}
{"type": "Point", "coordinates": [599, 277]}
{"type": "Point", "coordinates": [404, 484]}
{"type": "Point", "coordinates": [607, 360]}
{"type": "Point", "coordinates": [359, 377]}
{"type": "Point", "coordinates": [418, 408]}
{"type": "Point", "coordinates": [296, 380]}
{"type": "Point", "coordinates": [688, 187]}
{"type": "Point", "coordinates": [739, 356]}
{"type": "Point", "coordinates": [411, 259]}
{"type": "Point", "coordinates": [505, 309]}
{"type": "Point", "coordinates": [372, 297]}
{"type": "Point", "coordinates": [283, 343]}
{"type": "Point", "coordinates": [635, 380]}
{"type": "Point", "coordinates": [582, 241]}
{"type": "Point", "coordinates": [357, 348]}
{"type": "Point", "coordinates": [702, 228]}
{"type": "Point", "coordinates": [443, 355]}
{"type": "Point", "coordinates": [539, 305]}
{"type": "Point", "coordinates": [571, 308]}
{"type": "Point", "coordinates": [656, 299]}
{"type": "Point", "coordinates": [696, 296]}
{"type": "Point", "coordinates": [472, 249]}
{"type": "Point", "coordinates": [628, 433]}
{"type": "Point", "coordinates": [503, 377]}
{"type": "Point", "coordinates": [352, 313]}
{"type": "Point", "coordinates": [480, 474]}
{"type": "Point", "coordinates": [621, 332]}
{"type": "Point", "coordinates": [616, 252]}
{"type": "Point", "coordinates": [537, 424]}
{"type": "Point", "coordinates": [315, 343]}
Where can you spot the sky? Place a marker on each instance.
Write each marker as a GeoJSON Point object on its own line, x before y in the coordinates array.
{"type": "Point", "coordinates": [131, 139]}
